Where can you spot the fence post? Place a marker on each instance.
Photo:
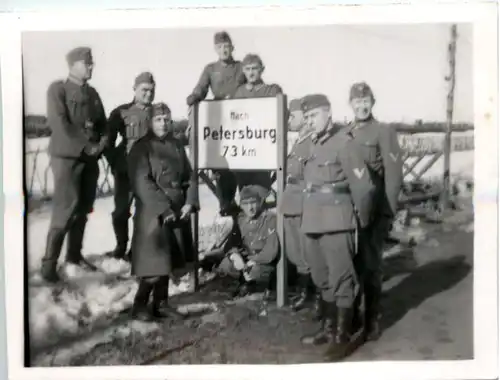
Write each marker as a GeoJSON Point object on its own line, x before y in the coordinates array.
{"type": "Point", "coordinates": [452, 47]}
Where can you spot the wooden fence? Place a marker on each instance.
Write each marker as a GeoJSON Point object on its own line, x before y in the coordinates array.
{"type": "Point", "coordinates": [422, 145]}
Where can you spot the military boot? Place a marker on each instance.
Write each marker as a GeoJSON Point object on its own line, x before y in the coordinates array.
{"type": "Point", "coordinates": [303, 285]}
{"type": "Point", "coordinates": [75, 243]}
{"type": "Point", "coordinates": [120, 227]}
{"type": "Point", "coordinates": [340, 345]}
{"type": "Point", "coordinates": [55, 240]}
{"type": "Point", "coordinates": [318, 306]}
{"type": "Point", "coordinates": [373, 330]}
{"type": "Point", "coordinates": [326, 332]}
{"type": "Point", "coordinates": [160, 307]}
{"type": "Point", "coordinates": [140, 310]}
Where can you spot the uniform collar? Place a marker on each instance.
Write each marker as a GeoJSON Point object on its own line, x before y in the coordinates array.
{"type": "Point", "coordinates": [255, 87]}
{"type": "Point", "coordinates": [76, 81]}
{"type": "Point", "coordinates": [229, 62]}
{"type": "Point", "coordinates": [168, 137]}
{"type": "Point", "coordinates": [141, 106]}
{"type": "Point", "coordinates": [325, 135]}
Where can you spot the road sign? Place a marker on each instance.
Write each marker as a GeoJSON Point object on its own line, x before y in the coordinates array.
{"type": "Point", "coordinates": [238, 134]}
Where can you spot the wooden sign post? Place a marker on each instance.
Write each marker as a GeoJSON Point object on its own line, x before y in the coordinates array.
{"type": "Point", "coordinates": [244, 134]}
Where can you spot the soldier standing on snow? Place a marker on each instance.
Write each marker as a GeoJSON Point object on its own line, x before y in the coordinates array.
{"type": "Point", "coordinates": [129, 121]}
{"type": "Point", "coordinates": [77, 120]}
{"type": "Point", "coordinates": [337, 199]}
{"type": "Point", "coordinates": [166, 193]}
{"type": "Point", "coordinates": [223, 77]}
{"type": "Point", "coordinates": [382, 154]}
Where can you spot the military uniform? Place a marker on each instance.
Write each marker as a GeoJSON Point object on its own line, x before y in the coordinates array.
{"type": "Point", "coordinates": [379, 146]}
{"type": "Point", "coordinates": [130, 121]}
{"type": "Point", "coordinates": [290, 206]}
{"type": "Point", "coordinates": [162, 182]}
{"type": "Point", "coordinates": [223, 78]}
{"type": "Point", "coordinates": [77, 120]}
{"type": "Point", "coordinates": [338, 198]}
{"type": "Point", "coordinates": [256, 241]}
{"type": "Point", "coordinates": [255, 177]}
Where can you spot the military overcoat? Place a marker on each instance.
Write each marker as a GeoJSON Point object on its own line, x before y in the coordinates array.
{"type": "Point", "coordinates": [162, 182]}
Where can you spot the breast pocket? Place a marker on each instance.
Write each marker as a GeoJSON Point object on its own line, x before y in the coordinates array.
{"type": "Point", "coordinates": [370, 151]}
{"type": "Point", "coordinates": [329, 171]}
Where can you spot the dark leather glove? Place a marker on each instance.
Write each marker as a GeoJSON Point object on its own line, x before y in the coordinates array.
{"type": "Point", "coordinates": [92, 150]}
{"type": "Point", "coordinates": [192, 100]}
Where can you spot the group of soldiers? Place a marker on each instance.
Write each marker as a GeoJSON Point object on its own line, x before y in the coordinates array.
{"type": "Point", "coordinates": [340, 196]}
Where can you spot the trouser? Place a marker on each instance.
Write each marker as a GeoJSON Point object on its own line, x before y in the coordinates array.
{"type": "Point", "coordinates": [294, 244]}
{"type": "Point", "coordinates": [259, 273]}
{"type": "Point", "coordinates": [330, 257]}
{"type": "Point", "coordinates": [75, 183]}
{"type": "Point", "coordinates": [123, 198]}
{"type": "Point", "coordinates": [370, 255]}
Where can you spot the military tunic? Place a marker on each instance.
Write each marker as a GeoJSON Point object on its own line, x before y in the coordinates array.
{"type": "Point", "coordinates": [223, 78]}
{"type": "Point", "coordinates": [381, 151]}
{"type": "Point", "coordinates": [255, 177]}
{"type": "Point", "coordinates": [76, 117]}
{"type": "Point", "coordinates": [130, 121]}
{"type": "Point", "coordinates": [290, 203]}
{"type": "Point", "coordinates": [258, 242]}
{"type": "Point", "coordinates": [162, 182]}
{"type": "Point", "coordinates": [338, 198]}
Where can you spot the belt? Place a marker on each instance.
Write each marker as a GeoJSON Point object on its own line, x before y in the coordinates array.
{"type": "Point", "coordinates": [330, 188]}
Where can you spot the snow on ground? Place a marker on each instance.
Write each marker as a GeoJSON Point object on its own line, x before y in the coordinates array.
{"type": "Point", "coordinates": [91, 299]}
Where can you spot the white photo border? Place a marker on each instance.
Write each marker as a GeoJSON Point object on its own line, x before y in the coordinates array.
{"type": "Point", "coordinates": [485, 47]}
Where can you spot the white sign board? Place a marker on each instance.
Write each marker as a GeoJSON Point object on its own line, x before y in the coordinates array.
{"type": "Point", "coordinates": [238, 134]}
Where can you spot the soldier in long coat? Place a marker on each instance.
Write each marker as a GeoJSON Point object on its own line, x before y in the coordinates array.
{"type": "Point", "coordinates": [223, 77]}
{"type": "Point", "coordinates": [77, 120]}
{"type": "Point", "coordinates": [337, 200]}
{"type": "Point", "coordinates": [382, 154]}
{"type": "Point", "coordinates": [290, 206]}
{"type": "Point", "coordinates": [129, 121]}
{"type": "Point", "coordinates": [165, 193]}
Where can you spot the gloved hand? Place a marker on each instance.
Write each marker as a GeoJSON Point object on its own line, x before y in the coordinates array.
{"type": "Point", "coordinates": [93, 150]}
{"type": "Point", "coordinates": [167, 218]}
{"type": "Point", "coordinates": [192, 100]}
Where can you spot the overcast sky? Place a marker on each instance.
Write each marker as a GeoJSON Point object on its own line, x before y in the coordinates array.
{"type": "Point", "coordinates": [405, 65]}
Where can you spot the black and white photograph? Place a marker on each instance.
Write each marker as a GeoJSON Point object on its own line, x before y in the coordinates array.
{"type": "Point", "coordinates": [227, 193]}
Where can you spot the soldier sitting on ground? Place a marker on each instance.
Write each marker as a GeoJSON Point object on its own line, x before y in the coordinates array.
{"type": "Point", "coordinates": [254, 249]}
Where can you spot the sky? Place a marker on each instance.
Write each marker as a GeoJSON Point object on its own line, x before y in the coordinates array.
{"type": "Point", "coordinates": [404, 64]}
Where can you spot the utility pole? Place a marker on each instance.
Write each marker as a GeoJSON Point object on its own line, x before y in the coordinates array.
{"type": "Point", "coordinates": [452, 49]}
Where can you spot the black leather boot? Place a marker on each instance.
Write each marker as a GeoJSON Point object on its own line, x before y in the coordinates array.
{"type": "Point", "coordinates": [326, 332]}
{"type": "Point", "coordinates": [55, 240]}
{"type": "Point", "coordinates": [340, 346]}
{"type": "Point", "coordinates": [75, 243]}
{"type": "Point", "coordinates": [303, 285]}
{"type": "Point", "coordinates": [140, 310]}
{"type": "Point", "coordinates": [318, 306]}
{"type": "Point", "coordinates": [120, 227]}
{"type": "Point", "coordinates": [373, 331]}
{"type": "Point", "coordinates": [160, 307]}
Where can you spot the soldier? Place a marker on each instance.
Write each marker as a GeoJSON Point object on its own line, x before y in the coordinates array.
{"type": "Point", "coordinates": [253, 255]}
{"type": "Point", "coordinates": [166, 193]}
{"type": "Point", "coordinates": [338, 196]}
{"type": "Point", "coordinates": [290, 206]}
{"type": "Point", "coordinates": [77, 120]}
{"type": "Point", "coordinates": [223, 77]}
{"type": "Point", "coordinates": [382, 154]}
{"type": "Point", "coordinates": [254, 87]}
{"type": "Point", "coordinates": [129, 121]}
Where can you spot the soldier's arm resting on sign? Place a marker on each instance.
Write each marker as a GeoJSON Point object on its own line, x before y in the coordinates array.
{"type": "Point", "coordinates": [270, 251]}
{"type": "Point", "coordinates": [201, 89]}
{"type": "Point", "coordinates": [393, 165]}
{"type": "Point", "coordinates": [70, 136]}
{"type": "Point", "coordinates": [360, 183]}
{"type": "Point", "coordinates": [144, 186]}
